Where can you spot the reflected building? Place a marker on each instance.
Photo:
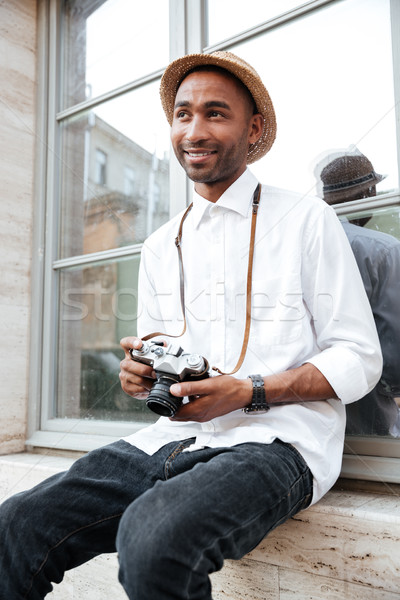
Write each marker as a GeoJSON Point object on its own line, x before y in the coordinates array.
{"type": "Point", "coordinates": [118, 193]}
{"type": "Point", "coordinates": [126, 193]}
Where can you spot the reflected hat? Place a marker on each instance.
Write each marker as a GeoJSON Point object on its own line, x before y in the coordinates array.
{"type": "Point", "coordinates": [347, 175]}
{"type": "Point", "coordinates": [178, 69]}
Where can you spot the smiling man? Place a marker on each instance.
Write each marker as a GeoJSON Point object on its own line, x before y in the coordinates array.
{"type": "Point", "coordinates": [211, 137]}
{"type": "Point", "coordinates": [268, 292]}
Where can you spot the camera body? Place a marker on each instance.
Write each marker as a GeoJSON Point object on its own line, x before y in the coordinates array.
{"type": "Point", "coordinates": [171, 365]}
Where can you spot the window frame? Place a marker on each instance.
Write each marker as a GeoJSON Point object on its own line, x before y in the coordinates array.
{"type": "Point", "coordinates": [364, 458]}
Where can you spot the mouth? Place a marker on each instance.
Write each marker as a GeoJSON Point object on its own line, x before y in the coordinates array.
{"type": "Point", "coordinates": [198, 156]}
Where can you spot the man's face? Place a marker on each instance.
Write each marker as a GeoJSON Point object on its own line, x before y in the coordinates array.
{"type": "Point", "coordinates": [212, 128]}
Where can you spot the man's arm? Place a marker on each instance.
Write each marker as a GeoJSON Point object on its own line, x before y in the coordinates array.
{"type": "Point", "coordinates": [216, 396]}
{"type": "Point", "coordinates": [222, 394]}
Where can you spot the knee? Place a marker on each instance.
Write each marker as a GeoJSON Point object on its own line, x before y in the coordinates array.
{"type": "Point", "coordinates": [138, 538]}
{"type": "Point", "coordinates": [13, 513]}
{"type": "Point", "coordinates": [156, 559]}
{"type": "Point", "coordinates": [149, 534]}
{"type": "Point", "coordinates": [22, 515]}
{"type": "Point", "coordinates": [16, 526]}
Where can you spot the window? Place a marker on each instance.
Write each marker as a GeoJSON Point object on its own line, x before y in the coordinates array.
{"type": "Point", "coordinates": [109, 191]}
{"type": "Point", "coordinates": [100, 176]}
{"type": "Point", "coordinates": [129, 181]}
{"type": "Point", "coordinates": [330, 67]}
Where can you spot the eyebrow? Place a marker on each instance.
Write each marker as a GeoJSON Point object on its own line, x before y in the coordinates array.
{"type": "Point", "coordinates": [209, 104]}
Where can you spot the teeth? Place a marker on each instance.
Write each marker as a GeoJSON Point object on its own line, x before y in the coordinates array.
{"type": "Point", "coordinates": [195, 154]}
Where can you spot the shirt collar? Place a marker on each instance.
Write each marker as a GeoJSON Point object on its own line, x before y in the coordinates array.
{"type": "Point", "coordinates": [237, 197]}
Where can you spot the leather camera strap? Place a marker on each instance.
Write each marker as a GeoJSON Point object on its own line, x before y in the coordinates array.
{"type": "Point", "coordinates": [178, 240]}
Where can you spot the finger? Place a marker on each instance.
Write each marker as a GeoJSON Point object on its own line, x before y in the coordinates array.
{"type": "Point", "coordinates": [191, 388]}
{"type": "Point", "coordinates": [137, 387]}
{"type": "Point", "coordinates": [137, 368]}
{"type": "Point", "coordinates": [130, 342]}
{"type": "Point", "coordinates": [193, 411]}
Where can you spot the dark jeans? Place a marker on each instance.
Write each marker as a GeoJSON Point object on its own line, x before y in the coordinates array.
{"type": "Point", "coordinates": [173, 517]}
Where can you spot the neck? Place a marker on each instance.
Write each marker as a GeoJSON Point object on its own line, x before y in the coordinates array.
{"type": "Point", "coordinates": [212, 191]}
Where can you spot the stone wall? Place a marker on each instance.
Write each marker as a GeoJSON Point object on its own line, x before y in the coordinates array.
{"type": "Point", "coordinates": [18, 31]}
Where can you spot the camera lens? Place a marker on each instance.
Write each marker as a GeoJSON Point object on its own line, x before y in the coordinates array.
{"type": "Point", "coordinates": [160, 400]}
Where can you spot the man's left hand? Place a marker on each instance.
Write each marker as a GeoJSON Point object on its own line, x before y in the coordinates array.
{"type": "Point", "coordinates": [212, 397]}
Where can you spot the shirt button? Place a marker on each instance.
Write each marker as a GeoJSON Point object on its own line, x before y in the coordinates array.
{"type": "Point", "coordinates": [208, 426]}
{"type": "Point", "coordinates": [213, 211]}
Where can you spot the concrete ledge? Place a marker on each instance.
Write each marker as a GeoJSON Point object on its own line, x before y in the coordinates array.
{"type": "Point", "coordinates": [344, 547]}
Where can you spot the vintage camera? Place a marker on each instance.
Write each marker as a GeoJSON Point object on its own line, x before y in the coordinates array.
{"type": "Point", "coordinates": [171, 365]}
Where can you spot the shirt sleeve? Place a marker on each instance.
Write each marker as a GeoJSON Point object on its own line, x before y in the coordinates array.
{"type": "Point", "coordinates": [349, 353]}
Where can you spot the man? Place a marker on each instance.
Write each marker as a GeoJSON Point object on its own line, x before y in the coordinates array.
{"type": "Point", "coordinates": [179, 497]}
{"type": "Point", "coordinates": [348, 177]}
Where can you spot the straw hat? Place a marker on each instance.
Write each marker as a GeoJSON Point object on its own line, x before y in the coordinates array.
{"type": "Point", "coordinates": [177, 70]}
{"type": "Point", "coordinates": [346, 176]}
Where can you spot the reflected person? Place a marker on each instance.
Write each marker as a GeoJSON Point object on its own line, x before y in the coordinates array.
{"type": "Point", "coordinates": [352, 177]}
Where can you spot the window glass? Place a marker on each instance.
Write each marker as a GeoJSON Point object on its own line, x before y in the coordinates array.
{"type": "Point", "coordinates": [114, 174]}
{"type": "Point", "coordinates": [100, 174]}
{"type": "Point", "coordinates": [375, 239]}
{"type": "Point", "coordinates": [335, 90]}
{"type": "Point", "coordinates": [109, 43]}
{"type": "Point", "coordinates": [229, 17]}
{"type": "Point", "coordinates": [97, 307]}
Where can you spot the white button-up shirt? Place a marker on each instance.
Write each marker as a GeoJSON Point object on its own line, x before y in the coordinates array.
{"type": "Point", "coordinates": [308, 305]}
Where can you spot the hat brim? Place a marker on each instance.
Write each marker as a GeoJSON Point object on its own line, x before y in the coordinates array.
{"type": "Point", "coordinates": [176, 71]}
{"type": "Point", "coordinates": [348, 192]}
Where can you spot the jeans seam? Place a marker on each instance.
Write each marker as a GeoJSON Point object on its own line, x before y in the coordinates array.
{"type": "Point", "coordinates": [167, 466]}
{"type": "Point", "coordinates": [62, 541]}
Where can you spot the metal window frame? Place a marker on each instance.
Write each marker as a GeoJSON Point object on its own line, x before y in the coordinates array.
{"type": "Point", "coordinates": [43, 430]}
{"type": "Point", "coordinates": [376, 459]}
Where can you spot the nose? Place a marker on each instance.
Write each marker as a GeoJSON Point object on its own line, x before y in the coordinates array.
{"type": "Point", "coordinates": [196, 130]}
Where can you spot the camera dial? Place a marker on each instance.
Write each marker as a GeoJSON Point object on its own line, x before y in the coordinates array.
{"type": "Point", "coordinates": [195, 360]}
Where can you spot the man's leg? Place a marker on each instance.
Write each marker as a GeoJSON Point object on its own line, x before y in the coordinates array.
{"type": "Point", "coordinates": [216, 504]}
{"type": "Point", "coordinates": [71, 517]}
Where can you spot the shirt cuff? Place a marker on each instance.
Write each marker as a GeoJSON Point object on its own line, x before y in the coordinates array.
{"type": "Point", "coordinates": [345, 373]}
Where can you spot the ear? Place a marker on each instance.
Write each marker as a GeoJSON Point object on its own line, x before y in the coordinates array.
{"type": "Point", "coordinates": [256, 128]}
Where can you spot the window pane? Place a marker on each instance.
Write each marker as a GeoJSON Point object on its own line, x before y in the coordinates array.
{"type": "Point", "coordinates": [98, 306]}
{"type": "Point", "coordinates": [334, 91]}
{"type": "Point", "coordinates": [115, 174]}
{"type": "Point", "coordinates": [109, 43]}
{"type": "Point", "coordinates": [374, 237]}
{"type": "Point", "coordinates": [242, 15]}
{"type": "Point", "coordinates": [386, 220]}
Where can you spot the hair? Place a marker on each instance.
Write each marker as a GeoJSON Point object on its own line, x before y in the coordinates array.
{"type": "Point", "coordinates": [222, 71]}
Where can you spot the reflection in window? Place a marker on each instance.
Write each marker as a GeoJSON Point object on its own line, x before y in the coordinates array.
{"type": "Point", "coordinates": [98, 306]}
{"type": "Point", "coordinates": [102, 39]}
{"type": "Point", "coordinates": [115, 177]}
{"type": "Point", "coordinates": [378, 257]}
{"type": "Point", "coordinates": [348, 176]}
{"type": "Point", "coordinates": [100, 175]}
{"type": "Point", "coordinates": [129, 181]}
{"type": "Point", "coordinates": [319, 91]}
{"type": "Point", "coordinates": [242, 15]}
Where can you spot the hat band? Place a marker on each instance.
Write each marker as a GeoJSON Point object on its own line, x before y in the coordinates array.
{"type": "Point", "coordinates": [332, 187]}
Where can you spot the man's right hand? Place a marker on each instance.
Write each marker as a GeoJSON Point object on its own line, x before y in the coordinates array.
{"type": "Point", "coordinates": [136, 378]}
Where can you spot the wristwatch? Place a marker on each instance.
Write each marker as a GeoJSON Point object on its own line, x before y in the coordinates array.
{"type": "Point", "coordinates": [258, 401]}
